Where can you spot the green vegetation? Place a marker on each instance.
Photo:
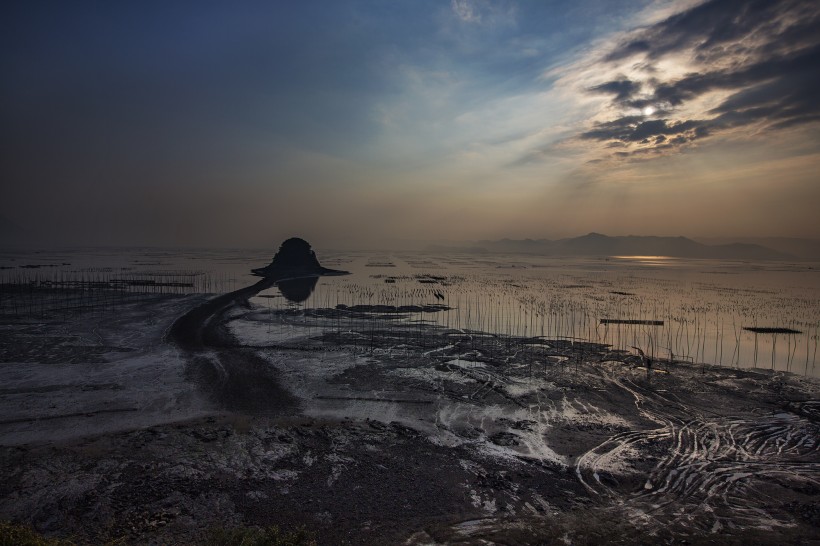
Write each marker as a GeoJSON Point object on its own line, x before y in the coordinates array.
{"type": "Point", "coordinates": [254, 536]}
{"type": "Point", "coordinates": [15, 534]}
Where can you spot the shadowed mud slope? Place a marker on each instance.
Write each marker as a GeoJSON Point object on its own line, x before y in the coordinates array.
{"type": "Point", "coordinates": [235, 378]}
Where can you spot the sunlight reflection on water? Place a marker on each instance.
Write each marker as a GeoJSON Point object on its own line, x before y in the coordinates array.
{"type": "Point", "coordinates": [649, 260]}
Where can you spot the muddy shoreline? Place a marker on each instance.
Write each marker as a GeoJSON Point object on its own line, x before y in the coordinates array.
{"type": "Point", "coordinates": [395, 433]}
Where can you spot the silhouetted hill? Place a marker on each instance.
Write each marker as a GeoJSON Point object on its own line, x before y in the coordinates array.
{"type": "Point", "coordinates": [804, 249]}
{"type": "Point", "coordinates": [295, 258]}
{"type": "Point", "coordinates": [596, 244]}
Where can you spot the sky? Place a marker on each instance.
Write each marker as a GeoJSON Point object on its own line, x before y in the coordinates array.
{"type": "Point", "coordinates": [363, 121]}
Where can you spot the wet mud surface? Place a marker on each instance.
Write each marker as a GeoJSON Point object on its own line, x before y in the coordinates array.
{"type": "Point", "coordinates": [367, 428]}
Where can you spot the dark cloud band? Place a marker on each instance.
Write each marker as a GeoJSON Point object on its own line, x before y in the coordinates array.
{"type": "Point", "coordinates": [765, 54]}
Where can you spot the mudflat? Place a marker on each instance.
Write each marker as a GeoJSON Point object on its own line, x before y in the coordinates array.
{"type": "Point", "coordinates": [388, 432]}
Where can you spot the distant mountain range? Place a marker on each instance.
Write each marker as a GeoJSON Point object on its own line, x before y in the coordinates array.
{"type": "Point", "coordinates": [596, 244]}
{"type": "Point", "coordinates": [806, 249]}
{"type": "Point", "coordinates": [592, 244]}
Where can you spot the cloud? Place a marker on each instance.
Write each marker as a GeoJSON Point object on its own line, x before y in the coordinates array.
{"type": "Point", "coordinates": [466, 11]}
{"type": "Point", "coordinates": [719, 27]}
{"type": "Point", "coordinates": [622, 89]}
{"type": "Point", "coordinates": [484, 12]}
{"type": "Point", "coordinates": [634, 129]}
{"type": "Point", "coordinates": [715, 69]}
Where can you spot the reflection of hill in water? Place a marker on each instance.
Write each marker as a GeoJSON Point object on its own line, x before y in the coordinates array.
{"type": "Point", "coordinates": [297, 290]}
{"type": "Point", "coordinates": [295, 258]}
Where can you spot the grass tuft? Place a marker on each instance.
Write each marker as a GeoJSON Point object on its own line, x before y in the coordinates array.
{"type": "Point", "coordinates": [16, 534]}
{"type": "Point", "coordinates": [254, 536]}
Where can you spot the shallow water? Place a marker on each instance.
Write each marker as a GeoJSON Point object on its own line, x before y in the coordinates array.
{"type": "Point", "coordinates": [703, 304]}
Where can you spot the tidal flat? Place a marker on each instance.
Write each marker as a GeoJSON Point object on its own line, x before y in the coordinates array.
{"type": "Point", "coordinates": [421, 400]}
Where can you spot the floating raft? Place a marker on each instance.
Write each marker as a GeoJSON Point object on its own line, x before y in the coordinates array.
{"type": "Point", "coordinates": [757, 330]}
{"type": "Point", "coordinates": [632, 321]}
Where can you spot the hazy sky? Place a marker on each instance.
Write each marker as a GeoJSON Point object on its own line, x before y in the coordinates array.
{"type": "Point", "coordinates": [241, 123]}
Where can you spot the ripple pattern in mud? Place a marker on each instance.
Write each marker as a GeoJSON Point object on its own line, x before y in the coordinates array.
{"type": "Point", "coordinates": [710, 473]}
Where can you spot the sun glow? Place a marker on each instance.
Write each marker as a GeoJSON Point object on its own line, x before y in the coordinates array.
{"type": "Point", "coordinates": [648, 111]}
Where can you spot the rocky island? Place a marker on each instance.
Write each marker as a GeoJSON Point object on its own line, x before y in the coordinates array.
{"type": "Point", "coordinates": [295, 258]}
